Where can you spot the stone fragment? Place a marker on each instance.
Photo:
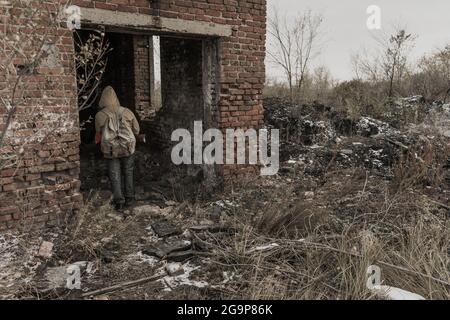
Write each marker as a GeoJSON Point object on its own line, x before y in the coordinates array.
{"type": "Point", "coordinates": [174, 269]}
{"type": "Point", "coordinates": [46, 250]}
{"type": "Point", "coordinates": [164, 228]}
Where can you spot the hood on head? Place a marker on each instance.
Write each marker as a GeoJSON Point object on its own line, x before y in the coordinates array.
{"type": "Point", "coordinates": [109, 99]}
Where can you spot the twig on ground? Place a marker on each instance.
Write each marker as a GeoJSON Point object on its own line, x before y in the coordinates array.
{"type": "Point", "coordinates": [122, 286]}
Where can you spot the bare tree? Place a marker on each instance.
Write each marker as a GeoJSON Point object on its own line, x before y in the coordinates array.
{"type": "Point", "coordinates": [434, 74]}
{"type": "Point", "coordinates": [366, 66]}
{"type": "Point", "coordinates": [306, 34]}
{"type": "Point", "coordinates": [294, 45]}
{"type": "Point", "coordinates": [90, 64]}
{"type": "Point", "coordinates": [395, 58]}
{"type": "Point", "coordinates": [389, 62]}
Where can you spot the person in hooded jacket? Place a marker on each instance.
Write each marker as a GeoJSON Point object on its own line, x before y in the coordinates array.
{"type": "Point", "coordinates": [118, 165]}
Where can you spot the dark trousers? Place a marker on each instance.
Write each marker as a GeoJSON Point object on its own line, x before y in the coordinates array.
{"type": "Point", "coordinates": [122, 180]}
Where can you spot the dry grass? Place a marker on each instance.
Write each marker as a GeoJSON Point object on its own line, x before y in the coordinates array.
{"type": "Point", "coordinates": [324, 242]}
{"type": "Point", "coordinates": [291, 222]}
{"type": "Point", "coordinates": [325, 245]}
{"type": "Point", "coordinates": [95, 228]}
{"type": "Point", "coordinates": [324, 267]}
{"type": "Point", "coordinates": [422, 165]}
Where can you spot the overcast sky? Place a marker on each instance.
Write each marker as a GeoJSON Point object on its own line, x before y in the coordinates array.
{"type": "Point", "coordinates": [346, 31]}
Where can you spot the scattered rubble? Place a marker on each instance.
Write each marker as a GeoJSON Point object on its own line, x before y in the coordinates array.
{"type": "Point", "coordinates": [335, 192]}
{"type": "Point", "coordinates": [164, 228]}
{"type": "Point", "coordinates": [46, 250]}
{"type": "Point", "coordinates": [163, 249]}
{"type": "Point", "coordinates": [174, 269]}
{"type": "Point", "coordinates": [171, 282]}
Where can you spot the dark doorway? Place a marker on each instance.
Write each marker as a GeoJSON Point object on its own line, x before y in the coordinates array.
{"type": "Point", "coordinates": [119, 71]}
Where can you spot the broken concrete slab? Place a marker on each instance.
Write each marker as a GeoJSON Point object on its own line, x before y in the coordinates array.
{"type": "Point", "coordinates": [162, 249]}
{"type": "Point", "coordinates": [164, 228]}
{"type": "Point", "coordinates": [154, 251]}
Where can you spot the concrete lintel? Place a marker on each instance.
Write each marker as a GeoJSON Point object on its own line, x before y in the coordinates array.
{"type": "Point", "coordinates": [152, 23]}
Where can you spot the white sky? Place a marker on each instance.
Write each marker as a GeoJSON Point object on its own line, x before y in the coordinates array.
{"type": "Point", "coordinates": [346, 31]}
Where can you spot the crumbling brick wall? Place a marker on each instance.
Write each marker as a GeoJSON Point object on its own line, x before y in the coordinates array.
{"type": "Point", "coordinates": [42, 185]}
{"type": "Point", "coordinates": [143, 55]}
{"type": "Point", "coordinates": [241, 56]}
{"type": "Point", "coordinates": [39, 163]}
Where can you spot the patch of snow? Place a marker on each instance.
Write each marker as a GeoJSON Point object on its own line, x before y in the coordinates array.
{"type": "Point", "coordinates": [412, 99]}
{"type": "Point", "coordinates": [226, 203]}
{"type": "Point", "coordinates": [228, 276]}
{"type": "Point", "coordinates": [18, 265]}
{"type": "Point", "coordinates": [171, 282]}
{"type": "Point", "coordinates": [446, 108]}
{"type": "Point", "coordinates": [377, 163]}
{"type": "Point", "coordinates": [141, 258]}
{"type": "Point", "coordinates": [375, 153]}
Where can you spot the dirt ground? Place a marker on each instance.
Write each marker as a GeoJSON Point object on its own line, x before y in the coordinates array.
{"type": "Point", "coordinates": [350, 193]}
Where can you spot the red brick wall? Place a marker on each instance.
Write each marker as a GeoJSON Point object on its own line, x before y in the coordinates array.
{"type": "Point", "coordinates": [143, 105]}
{"type": "Point", "coordinates": [242, 70]}
{"type": "Point", "coordinates": [241, 56]}
{"type": "Point", "coordinates": [39, 163]}
{"type": "Point", "coordinates": [43, 184]}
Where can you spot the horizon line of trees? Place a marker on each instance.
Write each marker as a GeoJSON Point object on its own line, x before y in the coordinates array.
{"type": "Point", "coordinates": [383, 74]}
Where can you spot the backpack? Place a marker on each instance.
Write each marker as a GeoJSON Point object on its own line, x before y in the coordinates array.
{"type": "Point", "coordinates": [118, 139]}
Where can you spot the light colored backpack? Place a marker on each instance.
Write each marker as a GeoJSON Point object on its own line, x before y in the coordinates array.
{"type": "Point", "coordinates": [118, 139]}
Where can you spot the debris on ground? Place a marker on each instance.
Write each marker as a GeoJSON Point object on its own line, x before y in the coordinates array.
{"type": "Point", "coordinates": [46, 250]}
{"type": "Point", "coordinates": [351, 191]}
{"type": "Point", "coordinates": [174, 269]}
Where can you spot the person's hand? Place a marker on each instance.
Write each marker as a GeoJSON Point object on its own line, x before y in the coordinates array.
{"type": "Point", "coordinates": [98, 137]}
{"type": "Point", "coordinates": [142, 138]}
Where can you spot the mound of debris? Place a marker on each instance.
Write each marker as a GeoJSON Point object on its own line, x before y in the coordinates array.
{"type": "Point", "coordinates": [317, 137]}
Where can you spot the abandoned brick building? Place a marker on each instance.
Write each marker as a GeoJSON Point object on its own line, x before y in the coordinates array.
{"type": "Point", "coordinates": [212, 69]}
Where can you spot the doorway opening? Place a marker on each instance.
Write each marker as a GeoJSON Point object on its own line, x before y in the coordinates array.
{"type": "Point", "coordinates": [168, 82]}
